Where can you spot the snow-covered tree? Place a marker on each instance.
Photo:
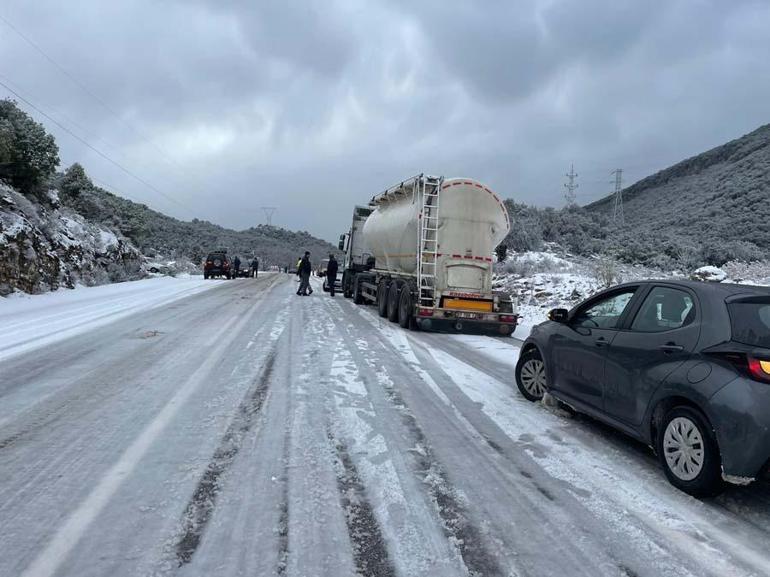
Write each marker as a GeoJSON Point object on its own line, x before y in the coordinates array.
{"type": "Point", "coordinates": [75, 181]}
{"type": "Point", "coordinates": [28, 155]}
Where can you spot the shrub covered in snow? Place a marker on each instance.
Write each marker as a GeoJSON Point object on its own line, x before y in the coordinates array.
{"type": "Point", "coordinates": [709, 273]}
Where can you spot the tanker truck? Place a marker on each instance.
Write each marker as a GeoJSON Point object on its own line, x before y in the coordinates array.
{"type": "Point", "coordinates": [422, 252]}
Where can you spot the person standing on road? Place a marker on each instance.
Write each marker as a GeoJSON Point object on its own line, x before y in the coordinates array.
{"type": "Point", "coordinates": [331, 273]}
{"type": "Point", "coordinates": [237, 265]}
{"type": "Point", "coordinates": [254, 267]}
{"type": "Point", "coordinates": [304, 269]}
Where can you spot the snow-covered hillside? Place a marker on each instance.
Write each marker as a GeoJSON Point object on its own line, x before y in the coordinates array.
{"type": "Point", "coordinates": [543, 280]}
{"type": "Point", "coordinates": [44, 246]}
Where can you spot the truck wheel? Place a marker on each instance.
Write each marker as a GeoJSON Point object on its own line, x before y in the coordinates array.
{"type": "Point", "coordinates": [382, 298]}
{"type": "Point", "coordinates": [393, 301]}
{"type": "Point", "coordinates": [346, 289]}
{"type": "Point", "coordinates": [357, 297]}
{"type": "Point", "coordinates": [405, 315]}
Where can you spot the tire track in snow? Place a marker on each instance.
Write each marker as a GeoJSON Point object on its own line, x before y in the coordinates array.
{"type": "Point", "coordinates": [283, 518]}
{"type": "Point", "coordinates": [198, 511]}
{"type": "Point", "coordinates": [529, 507]}
{"type": "Point", "coordinates": [462, 533]}
{"type": "Point", "coordinates": [467, 539]}
{"type": "Point", "coordinates": [48, 560]}
{"type": "Point", "coordinates": [370, 551]}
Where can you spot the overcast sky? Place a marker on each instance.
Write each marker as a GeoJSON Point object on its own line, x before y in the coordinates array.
{"type": "Point", "coordinates": [226, 106]}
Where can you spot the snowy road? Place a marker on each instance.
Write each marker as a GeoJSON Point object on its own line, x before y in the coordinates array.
{"type": "Point", "coordinates": [247, 431]}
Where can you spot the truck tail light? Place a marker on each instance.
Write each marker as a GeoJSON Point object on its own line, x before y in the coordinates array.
{"type": "Point", "coordinates": [425, 312]}
{"type": "Point", "coordinates": [507, 318]}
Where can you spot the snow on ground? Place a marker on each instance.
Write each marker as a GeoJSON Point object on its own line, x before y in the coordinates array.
{"type": "Point", "coordinates": [540, 281]}
{"type": "Point", "coordinates": [544, 259]}
{"type": "Point", "coordinates": [502, 350]}
{"type": "Point", "coordinates": [606, 483]}
{"type": "Point", "coordinates": [268, 434]}
{"type": "Point", "coordinates": [32, 321]}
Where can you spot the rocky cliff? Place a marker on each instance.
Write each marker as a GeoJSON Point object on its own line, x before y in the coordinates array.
{"type": "Point", "coordinates": [45, 246]}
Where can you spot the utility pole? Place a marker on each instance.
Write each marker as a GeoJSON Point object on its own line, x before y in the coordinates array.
{"type": "Point", "coordinates": [617, 213]}
{"type": "Point", "coordinates": [269, 211]}
{"type": "Point", "coordinates": [571, 186]}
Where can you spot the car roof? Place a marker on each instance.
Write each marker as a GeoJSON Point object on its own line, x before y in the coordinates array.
{"type": "Point", "coordinates": [726, 289]}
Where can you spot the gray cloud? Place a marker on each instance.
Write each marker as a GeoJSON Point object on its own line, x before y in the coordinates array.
{"type": "Point", "coordinates": [315, 106]}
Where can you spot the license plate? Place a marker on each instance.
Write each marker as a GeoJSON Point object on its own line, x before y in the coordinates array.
{"type": "Point", "coordinates": [467, 315]}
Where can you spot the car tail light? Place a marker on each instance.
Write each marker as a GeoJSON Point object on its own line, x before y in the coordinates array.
{"type": "Point", "coordinates": [759, 369]}
{"type": "Point", "coordinates": [747, 363]}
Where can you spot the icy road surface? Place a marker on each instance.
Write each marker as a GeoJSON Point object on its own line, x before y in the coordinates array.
{"type": "Point", "coordinates": [247, 431]}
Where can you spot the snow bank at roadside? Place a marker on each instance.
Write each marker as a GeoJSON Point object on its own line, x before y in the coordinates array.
{"type": "Point", "coordinates": [32, 321]}
{"type": "Point", "coordinates": [541, 281]}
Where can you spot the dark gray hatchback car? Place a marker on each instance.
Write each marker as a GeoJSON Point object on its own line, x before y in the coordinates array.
{"type": "Point", "coordinates": [682, 366]}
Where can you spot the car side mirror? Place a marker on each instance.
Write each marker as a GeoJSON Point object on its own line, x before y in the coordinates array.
{"type": "Point", "coordinates": [558, 315]}
{"type": "Point", "coordinates": [341, 244]}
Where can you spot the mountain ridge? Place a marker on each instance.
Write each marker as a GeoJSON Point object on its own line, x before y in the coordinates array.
{"type": "Point", "coordinates": [721, 194]}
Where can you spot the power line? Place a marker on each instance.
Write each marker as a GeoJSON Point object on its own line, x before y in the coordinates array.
{"type": "Point", "coordinates": [570, 186]}
{"type": "Point", "coordinates": [83, 130]}
{"type": "Point", "coordinates": [85, 89]}
{"type": "Point", "coordinates": [114, 190]}
{"type": "Point", "coordinates": [89, 145]}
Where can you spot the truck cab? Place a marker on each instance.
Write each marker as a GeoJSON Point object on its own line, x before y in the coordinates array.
{"type": "Point", "coordinates": [358, 258]}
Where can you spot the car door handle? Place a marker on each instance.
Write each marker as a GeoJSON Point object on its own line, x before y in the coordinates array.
{"type": "Point", "coordinates": [671, 348]}
{"type": "Point", "coordinates": [601, 342]}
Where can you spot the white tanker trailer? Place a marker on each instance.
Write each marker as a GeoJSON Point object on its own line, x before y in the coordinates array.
{"type": "Point", "coordinates": [422, 252]}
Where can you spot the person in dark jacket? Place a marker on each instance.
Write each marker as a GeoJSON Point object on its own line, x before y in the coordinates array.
{"type": "Point", "coordinates": [254, 267]}
{"type": "Point", "coordinates": [237, 266]}
{"type": "Point", "coordinates": [331, 274]}
{"type": "Point", "coordinates": [304, 269]}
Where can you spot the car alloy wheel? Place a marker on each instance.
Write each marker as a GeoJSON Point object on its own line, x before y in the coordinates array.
{"type": "Point", "coordinates": [532, 377]}
{"type": "Point", "coordinates": [683, 448]}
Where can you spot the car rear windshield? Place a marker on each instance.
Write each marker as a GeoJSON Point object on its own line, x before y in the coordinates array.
{"type": "Point", "coordinates": [218, 255]}
{"type": "Point", "coordinates": [751, 322]}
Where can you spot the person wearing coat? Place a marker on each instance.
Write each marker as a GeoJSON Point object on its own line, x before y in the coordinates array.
{"type": "Point", "coordinates": [331, 273]}
{"type": "Point", "coordinates": [304, 269]}
{"type": "Point", "coordinates": [237, 266]}
{"type": "Point", "coordinates": [254, 267]}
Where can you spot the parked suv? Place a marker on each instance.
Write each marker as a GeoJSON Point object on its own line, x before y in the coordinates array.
{"type": "Point", "coordinates": [683, 366]}
{"type": "Point", "coordinates": [217, 264]}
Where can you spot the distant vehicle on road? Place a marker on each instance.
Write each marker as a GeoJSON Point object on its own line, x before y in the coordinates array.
{"type": "Point", "coordinates": [320, 270]}
{"type": "Point", "coordinates": [422, 252]}
{"type": "Point", "coordinates": [683, 366]}
{"type": "Point", "coordinates": [217, 264]}
{"type": "Point", "coordinates": [337, 284]}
